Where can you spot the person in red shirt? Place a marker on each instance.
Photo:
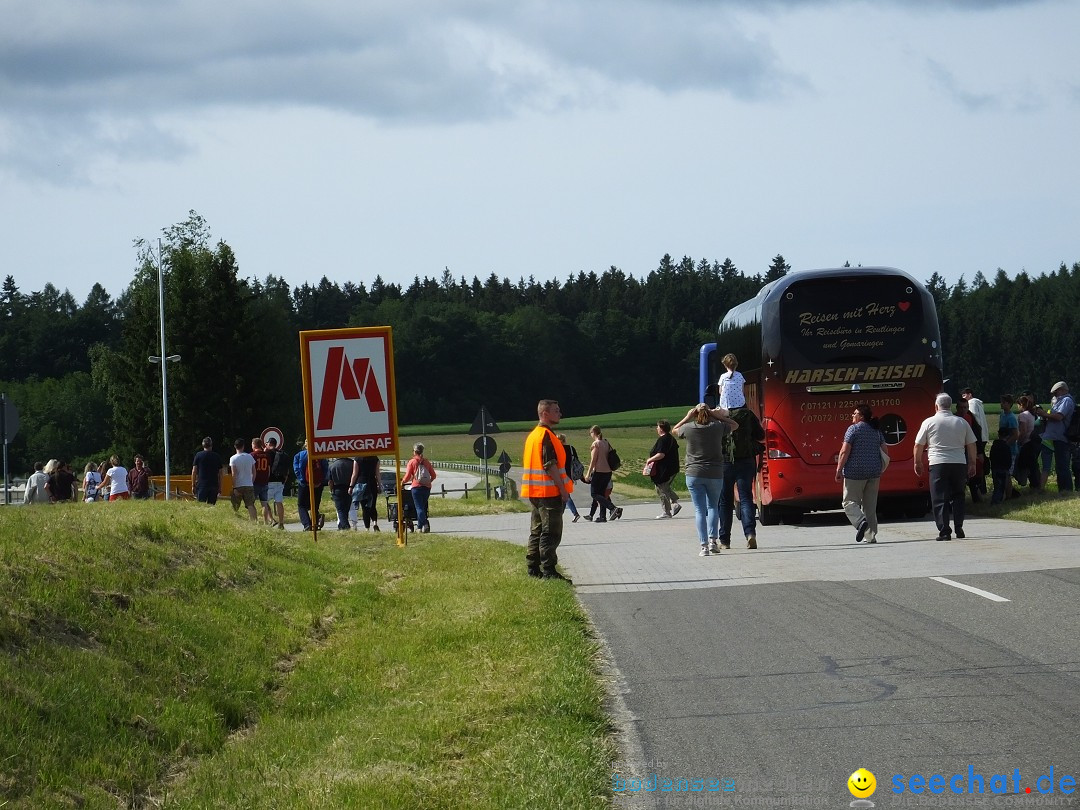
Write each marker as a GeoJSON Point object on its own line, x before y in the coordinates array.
{"type": "Point", "coordinates": [262, 478]}
{"type": "Point", "coordinates": [138, 479]}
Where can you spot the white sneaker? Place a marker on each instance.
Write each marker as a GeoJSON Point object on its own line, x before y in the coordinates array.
{"type": "Point", "coordinates": [662, 517]}
{"type": "Point", "coordinates": [675, 509]}
{"type": "Point", "coordinates": [704, 552]}
{"type": "Point", "coordinates": [713, 548]}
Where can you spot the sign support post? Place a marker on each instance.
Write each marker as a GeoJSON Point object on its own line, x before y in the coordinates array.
{"type": "Point", "coordinates": [9, 426]}
{"type": "Point", "coordinates": [484, 424]}
{"type": "Point", "coordinates": [3, 431]}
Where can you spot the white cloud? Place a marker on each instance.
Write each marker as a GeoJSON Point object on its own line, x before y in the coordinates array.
{"type": "Point", "coordinates": [82, 71]}
{"type": "Point", "coordinates": [537, 137]}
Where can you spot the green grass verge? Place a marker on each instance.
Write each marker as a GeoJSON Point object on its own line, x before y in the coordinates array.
{"type": "Point", "coordinates": [1049, 508]}
{"type": "Point", "coordinates": [170, 655]}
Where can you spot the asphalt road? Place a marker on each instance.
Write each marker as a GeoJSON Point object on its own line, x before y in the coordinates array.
{"type": "Point", "coordinates": [765, 678]}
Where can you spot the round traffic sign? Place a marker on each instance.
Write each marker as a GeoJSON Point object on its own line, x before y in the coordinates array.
{"type": "Point", "coordinates": [484, 449]}
{"type": "Point", "coordinates": [273, 433]}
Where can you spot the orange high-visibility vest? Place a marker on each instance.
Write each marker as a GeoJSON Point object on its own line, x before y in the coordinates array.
{"type": "Point", "coordinates": [535, 482]}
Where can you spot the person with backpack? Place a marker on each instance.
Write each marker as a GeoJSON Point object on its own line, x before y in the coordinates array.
{"type": "Point", "coordinates": [1063, 430]}
{"type": "Point", "coordinates": [739, 474]}
{"type": "Point", "coordinates": [661, 466]}
{"type": "Point", "coordinates": [91, 482]}
{"type": "Point", "coordinates": [420, 473]}
{"type": "Point", "coordinates": [574, 470]}
{"type": "Point", "coordinates": [598, 477]}
{"type": "Point", "coordinates": [275, 487]}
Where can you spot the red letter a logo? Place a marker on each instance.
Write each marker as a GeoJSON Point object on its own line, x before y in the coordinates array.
{"type": "Point", "coordinates": [353, 381]}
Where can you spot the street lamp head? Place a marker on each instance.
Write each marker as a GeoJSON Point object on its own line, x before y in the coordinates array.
{"type": "Point", "coordinates": [154, 359]}
{"type": "Point", "coordinates": [173, 358]}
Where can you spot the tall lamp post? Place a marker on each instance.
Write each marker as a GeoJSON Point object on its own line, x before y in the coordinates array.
{"type": "Point", "coordinates": [164, 360]}
{"type": "Point", "coordinates": [172, 358]}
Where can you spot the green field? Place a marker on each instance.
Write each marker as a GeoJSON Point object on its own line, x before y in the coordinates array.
{"type": "Point", "coordinates": [632, 433]}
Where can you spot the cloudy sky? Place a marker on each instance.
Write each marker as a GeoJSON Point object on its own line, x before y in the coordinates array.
{"type": "Point", "coordinates": [350, 138]}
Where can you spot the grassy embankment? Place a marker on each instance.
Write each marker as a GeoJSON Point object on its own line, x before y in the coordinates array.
{"type": "Point", "coordinates": [170, 655]}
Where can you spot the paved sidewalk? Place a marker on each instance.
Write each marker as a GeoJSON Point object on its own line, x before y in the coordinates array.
{"type": "Point", "coordinates": [639, 553]}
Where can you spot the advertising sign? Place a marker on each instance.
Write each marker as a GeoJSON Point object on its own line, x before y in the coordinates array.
{"type": "Point", "coordinates": [350, 407]}
{"type": "Point", "coordinates": [858, 322]}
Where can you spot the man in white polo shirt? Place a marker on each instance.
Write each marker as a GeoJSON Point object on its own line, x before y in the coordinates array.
{"type": "Point", "coordinates": [949, 443]}
{"type": "Point", "coordinates": [242, 465]}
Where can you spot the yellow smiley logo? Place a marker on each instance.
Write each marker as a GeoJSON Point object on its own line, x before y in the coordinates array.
{"type": "Point", "coordinates": [862, 784]}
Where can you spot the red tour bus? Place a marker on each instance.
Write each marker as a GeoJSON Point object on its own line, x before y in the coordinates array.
{"type": "Point", "coordinates": [814, 344]}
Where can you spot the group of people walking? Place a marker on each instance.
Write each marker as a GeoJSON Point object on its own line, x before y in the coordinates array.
{"type": "Point", "coordinates": [724, 450]}
{"type": "Point", "coordinates": [717, 466]}
{"type": "Point", "coordinates": [355, 484]}
{"type": "Point", "coordinates": [950, 449]}
{"type": "Point", "coordinates": [597, 475]}
{"type": "Point", "coordinates": [258, 477]}
{"type": "Point", "coordinates": [55, 482]}
{"type": "Point", "coordinates": [258, 482]}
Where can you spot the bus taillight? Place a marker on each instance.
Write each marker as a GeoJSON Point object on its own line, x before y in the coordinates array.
{"type": "Point", "coordinates": [778, 444]}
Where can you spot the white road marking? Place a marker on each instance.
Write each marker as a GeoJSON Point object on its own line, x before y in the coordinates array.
{"type": "Point", "coordinates": [993, 597]}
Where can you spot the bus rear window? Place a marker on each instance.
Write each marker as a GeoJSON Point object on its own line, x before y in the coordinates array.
{"type": "Point", "coordinates": [869, 319]}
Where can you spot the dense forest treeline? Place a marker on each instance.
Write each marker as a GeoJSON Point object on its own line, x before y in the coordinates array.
{"type": "Point", "coordinates": [80, 377]}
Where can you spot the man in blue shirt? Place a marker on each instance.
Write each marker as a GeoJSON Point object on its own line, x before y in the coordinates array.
{"type": "Point", "coordinates": [1057, 424]}
{"type": "Point", "coordinates": [304, 487]}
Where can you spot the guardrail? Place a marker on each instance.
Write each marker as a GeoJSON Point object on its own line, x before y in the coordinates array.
{"type": "Point", "coordinates": [506, 491]}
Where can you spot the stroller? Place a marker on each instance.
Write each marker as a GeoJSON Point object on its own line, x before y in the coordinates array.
{"type": "Point", "coordinates": [408, 512]}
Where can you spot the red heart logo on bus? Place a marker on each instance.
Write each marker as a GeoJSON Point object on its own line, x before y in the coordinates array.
{"type": "Point", "coordinates": [904, 305]}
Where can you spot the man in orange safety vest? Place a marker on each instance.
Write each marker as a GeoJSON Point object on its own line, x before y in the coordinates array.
{"type": "Point", "coordinates": [545, 483]}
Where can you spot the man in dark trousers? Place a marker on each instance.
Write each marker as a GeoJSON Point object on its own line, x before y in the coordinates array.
{"type": "Point", "coordinates": [206, 474]}
{"type": "Point", "coordinates": [948, 443]}
{"type": "Point", "coordinates": [545, 483]}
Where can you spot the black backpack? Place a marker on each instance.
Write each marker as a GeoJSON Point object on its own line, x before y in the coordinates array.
{"type": "Point", "coordinates": [747, 440]}
{"type": "Point", "coordinates": [282, 466]}
{"type": "Point", "coordinates": [613, 459]}
{"type": "Point", "coordinates": [1072, 430]}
